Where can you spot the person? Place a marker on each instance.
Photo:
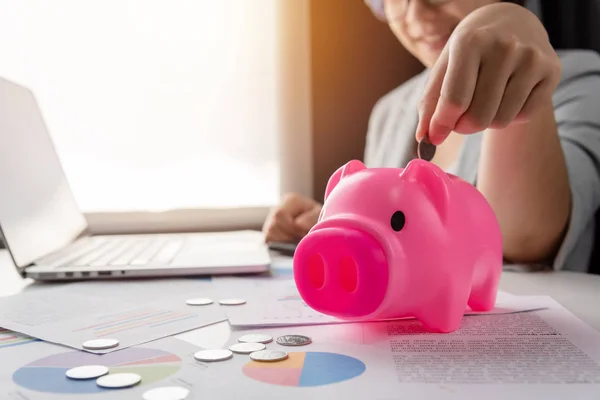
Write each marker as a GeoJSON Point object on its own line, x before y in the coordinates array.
{"type": "Point", "coordinates": [508, 113]}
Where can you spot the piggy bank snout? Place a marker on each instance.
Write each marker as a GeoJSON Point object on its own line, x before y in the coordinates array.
{"type": "Point", "coordinates": [341, 271]}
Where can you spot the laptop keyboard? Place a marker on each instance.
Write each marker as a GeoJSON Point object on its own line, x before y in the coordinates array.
{"type": "Point", "coordinates": [121, 252]}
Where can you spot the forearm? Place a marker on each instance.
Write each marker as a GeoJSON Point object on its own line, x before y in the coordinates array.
{"type": "Point", "coordinates": [523, 176]}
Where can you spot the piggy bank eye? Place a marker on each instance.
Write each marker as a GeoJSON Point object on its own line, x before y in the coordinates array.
{"type": "Point", "coordinates": [398, 220]}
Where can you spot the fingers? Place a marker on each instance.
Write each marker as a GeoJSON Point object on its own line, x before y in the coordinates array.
{"type": "Point", "coordinates": [518, 89]}
{"type": "Point", "coordinates": [429, 100]}
{"type": "Point", "coordinates": [308, 219]}
{"type": "Point", "coordinates": [490, 90]}
{"type": "Point", "coordinates": [450, 89]}
{"type": "Point", "coordinates": [483, 81]}
{"type": "Point", "coordinates": [276, 230]}
{"type": "Point", "coordinates": [281, 225]}
{"type": "Point", "coordinates": [458, 89]}
{"type": "Point", "coordinates": [295, 204]}
{"type": "Point", "coordinates": [274, 234]}
{"type": "Point", "coordinates": [284, 222]}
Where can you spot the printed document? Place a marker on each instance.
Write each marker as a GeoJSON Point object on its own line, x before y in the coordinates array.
{"type": "Point", "coordinates": [545, 354]}
{"type": "Point", "coordinates": [37, 371]}
{"type": "Point", "coordinates": [275, 301]}
{"type": "Point", "coordinates": [133, 312]}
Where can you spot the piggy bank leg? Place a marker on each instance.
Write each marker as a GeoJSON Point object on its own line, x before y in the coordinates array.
{"type": "Point", "coordinates": [486, 280]}
{"type": "Point", "coordinates": [444, 313]}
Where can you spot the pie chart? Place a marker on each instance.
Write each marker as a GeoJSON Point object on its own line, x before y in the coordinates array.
{"type": "Point", "coordinates": [48, 374]}
{"type": "Point", "coordinates": [306, 369]}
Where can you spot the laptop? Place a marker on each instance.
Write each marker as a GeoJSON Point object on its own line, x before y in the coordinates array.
{"type": "Point", "coordinates": [48, 236]}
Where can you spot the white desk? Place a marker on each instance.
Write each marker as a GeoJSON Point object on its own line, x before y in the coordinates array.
{"type": "Point", "coordinates": [579, 293]}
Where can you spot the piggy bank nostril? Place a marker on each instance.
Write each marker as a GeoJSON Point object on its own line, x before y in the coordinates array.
{"type": "Point", "coordinates": [316, 271]}
{"type": "Point", "coordinates": [348, 274]}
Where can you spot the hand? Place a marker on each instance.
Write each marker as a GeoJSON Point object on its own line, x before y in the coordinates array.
{"type": "Point", "coordinates": [292, 220]}
{"type": "Point", "coordinates": [498, 68]}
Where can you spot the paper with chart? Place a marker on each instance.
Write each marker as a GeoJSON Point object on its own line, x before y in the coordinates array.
{"type": "Point", "coordinates": [275, 301]}
{"type": "Point", "coordinates": [36, 370]}
{"type": "Point", "coordinates": [546, 354]}
{"type": "Point", "coordinates": [133, 312]}
{"type": "Point", "coordinates": [11, 339]}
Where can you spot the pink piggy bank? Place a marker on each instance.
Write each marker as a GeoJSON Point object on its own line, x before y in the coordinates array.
{"type": "Point", "coordinates": [394, 243]}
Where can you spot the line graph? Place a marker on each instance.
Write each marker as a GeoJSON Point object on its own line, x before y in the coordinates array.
{"type": "Point", "coordinates": [143, 318]}
{"type": "Point", "coordinates": [12, 339]}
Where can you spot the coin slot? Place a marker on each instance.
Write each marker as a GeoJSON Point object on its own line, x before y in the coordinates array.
{"type": "Point", "coordinates": [316, 271]}
{"type": "Point", "coordinates": [348, 274]}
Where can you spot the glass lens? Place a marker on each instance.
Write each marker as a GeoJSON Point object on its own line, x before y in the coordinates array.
{"type": "Point", "coordinates": [395, 9]}
{"type": "Point", "coordinates": [390, 10]}
{"type": "Point", "coordinates": [377, 8]}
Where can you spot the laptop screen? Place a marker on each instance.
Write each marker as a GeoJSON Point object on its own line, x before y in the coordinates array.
{"type": "Point", "coordinates": [38, 213]}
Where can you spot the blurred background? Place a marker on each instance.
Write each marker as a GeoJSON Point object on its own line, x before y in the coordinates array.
{"type": "Point", "coordinates": [198, 114]}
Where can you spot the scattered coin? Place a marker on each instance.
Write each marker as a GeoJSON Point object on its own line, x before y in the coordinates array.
{"type": "Point", "coordinates": [232, 302]}
{"type": "Point", "coordinates": [118, 381]}
{"type": "Point", "coordinates": [255, 338]}
{"type": "Point", "coordinates": [166, 393]}
{"type": "Point", "coordinates": [202, 301]}
{"type": "Point", "coordinates": [87, 372]}
{"type": "Point", "coordinates": [425, 149]}
{"type": "Point", "coordinates": [294, 340]}
{"type": "Point", "coordinates": [247, 348]}
{"type": "Point", "coordinates": [268, 355]}
{"type": "Point", "coordinates": [213, 355]}
{"type": "Point", "coordinates": [100, 344]}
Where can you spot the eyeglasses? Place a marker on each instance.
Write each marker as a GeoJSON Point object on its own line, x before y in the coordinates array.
{"type": "Point", "coordinates": [386, 10]}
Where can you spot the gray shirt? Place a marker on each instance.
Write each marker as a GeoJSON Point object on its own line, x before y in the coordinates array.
{"type": "Point", "coordinates": [391, 138]}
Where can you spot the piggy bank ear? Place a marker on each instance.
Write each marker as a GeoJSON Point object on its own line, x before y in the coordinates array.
{"type": "Point", "coordinates": [345, 170]}
{"type": "Point", "coordinates": [434, 182]}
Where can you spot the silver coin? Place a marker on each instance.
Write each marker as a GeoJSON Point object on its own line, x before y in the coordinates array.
{"type": "Point", "coordinates": [269, 355]}
{"type": "Point", "coordinates": [87, 372]}
{"type": "Point", "coordinates": [255, 338]}
{"type": "Point", "coordinates": [232, 302]}
{"type": "Point", "coordinates": [202, 301]}
{"type": "Point", "coordinates": [294, 340]}
{"type": "Point", "coordinates": [426, 150]}
{"type": "Point", "coordinates": [247, 348]}
{"type": "Point", "coordinates": [100, 344]}
{"type": "Point", "coordinates": [166, 393]}
{"type": "Point", "coordinates": [213, 355]}
{"type": "Point", "coordinates": [118, 381]}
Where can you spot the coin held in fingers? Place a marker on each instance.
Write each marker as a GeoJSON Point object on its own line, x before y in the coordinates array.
{"type": "Point", "coordinates": [425, 149]}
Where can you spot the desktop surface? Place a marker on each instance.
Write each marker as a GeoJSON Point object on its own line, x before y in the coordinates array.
{"type": "Point", "coordinates": [577, 292]}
